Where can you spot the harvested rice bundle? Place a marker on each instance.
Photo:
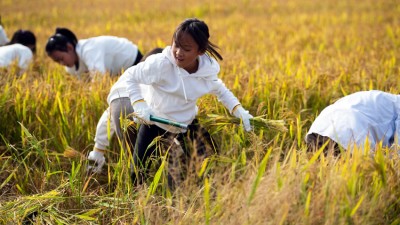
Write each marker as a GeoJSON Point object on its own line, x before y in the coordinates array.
{"type": "Point", "coordinates": [258, 122]}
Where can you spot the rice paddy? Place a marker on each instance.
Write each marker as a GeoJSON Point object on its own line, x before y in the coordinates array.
{"type": "Point", "coordinates": [284, 60]}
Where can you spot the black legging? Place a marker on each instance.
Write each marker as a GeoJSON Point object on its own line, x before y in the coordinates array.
{"type": "Point", "coordinates": [144, 148]}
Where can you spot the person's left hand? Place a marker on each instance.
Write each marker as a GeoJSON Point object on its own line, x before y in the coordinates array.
{"type": "Point", "coordinates": [244, 115]}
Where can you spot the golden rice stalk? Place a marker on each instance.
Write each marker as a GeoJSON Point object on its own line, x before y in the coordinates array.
{"type": "Point", "coordinates": [258, 122]}
{"type": "Point", "coordinates": [72, 153]}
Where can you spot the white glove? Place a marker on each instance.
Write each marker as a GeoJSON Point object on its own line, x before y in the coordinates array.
{"type": "Point", "coordinates": [244, 115]}
{"type": "Point", "coordinates": [143, 111]}
{"type": "Point", "coordinates": [97, 159]}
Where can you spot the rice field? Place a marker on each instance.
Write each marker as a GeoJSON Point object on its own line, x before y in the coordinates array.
{"type": "Point", "coordinates": [284, 59]}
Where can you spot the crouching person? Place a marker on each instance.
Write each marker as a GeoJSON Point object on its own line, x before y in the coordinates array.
{"type": "Point", "coordinates": [362, 119]}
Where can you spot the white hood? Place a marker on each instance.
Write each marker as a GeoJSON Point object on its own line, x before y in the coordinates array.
{"type": "Point", "coordinates": [208, 66]}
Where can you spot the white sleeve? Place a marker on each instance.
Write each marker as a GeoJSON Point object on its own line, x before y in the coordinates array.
{"type": "Point", "coordinates": [3, 36]}
{"type": "Point", "coordinates": [104, 125]}
{"type": "Point", "coordinates": [224, 95]}
{"type": "Point", "coordinates": [142, 73]}
{"type": "Point", "coordinates": [24, 59]}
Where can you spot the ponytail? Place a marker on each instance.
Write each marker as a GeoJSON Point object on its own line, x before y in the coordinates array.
{"type": "Point", "coordinates": [59, 41]}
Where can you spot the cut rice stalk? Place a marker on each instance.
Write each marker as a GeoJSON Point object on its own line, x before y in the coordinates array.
{"type": "Point", "coordinates": [258, 122]}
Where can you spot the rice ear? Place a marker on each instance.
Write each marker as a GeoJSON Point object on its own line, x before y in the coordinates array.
{"type": "Point", "coordinates": [72, 153]}
{"type": "Point", "coordinates": [258, 122]}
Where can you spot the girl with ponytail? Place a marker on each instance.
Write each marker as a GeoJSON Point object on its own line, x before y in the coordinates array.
{"type": "Point", "coordinates": [96, 55]}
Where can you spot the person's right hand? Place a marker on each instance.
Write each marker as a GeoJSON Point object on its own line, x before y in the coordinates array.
{"type": "Point", "coordinates": [143, 111]}
{"type": "Point", "coordinates": [96, 161]}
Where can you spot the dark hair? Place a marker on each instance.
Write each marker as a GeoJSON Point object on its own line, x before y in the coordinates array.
{"type": "Point", "coordinates": [59, 41]}
{"type": "Point", "coordinates": [199, 31]}
{"type": "Point", "coordinates": [24, 37]}
{"type": "Point", "coordinates": [152, 52]}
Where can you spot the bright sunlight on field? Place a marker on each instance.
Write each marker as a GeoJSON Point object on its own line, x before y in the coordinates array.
{"type": "Point", "coordinates": [284, 59]}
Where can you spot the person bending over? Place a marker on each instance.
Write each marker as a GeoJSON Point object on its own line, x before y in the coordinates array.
{"type": "Point", "coordinates": [363, 119]}
{"type": "Point", "coordinates": [19, 50]}
{"type": "Point", "coordinates": [96, 55]}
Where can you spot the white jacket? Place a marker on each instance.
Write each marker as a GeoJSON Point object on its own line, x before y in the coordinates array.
{"type": "Point", "coordinates": [3, 36]}
{"type": "Point", "coordinates": [104, 54]}
{"type": "Point", "coordinates": [15, 53]}
{"type": "Point", "coordinates": [353, 118]}
{"type": "Point", "coordinates": [173, 92]}
{"type": "Point", "coordinates": [118, 90]}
